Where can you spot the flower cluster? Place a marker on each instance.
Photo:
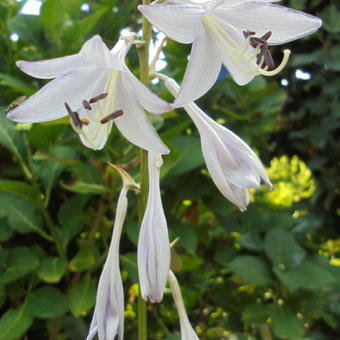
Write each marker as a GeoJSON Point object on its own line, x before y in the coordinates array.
{"type": "Point", "coordinates": [97, 90]}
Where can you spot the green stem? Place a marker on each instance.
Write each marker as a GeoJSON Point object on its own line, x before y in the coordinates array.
{"type": "Point", "coordinates": [143, 52]}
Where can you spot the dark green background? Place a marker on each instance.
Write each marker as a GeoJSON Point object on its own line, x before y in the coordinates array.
{"type": "Point", "coordinates": [272, 272]}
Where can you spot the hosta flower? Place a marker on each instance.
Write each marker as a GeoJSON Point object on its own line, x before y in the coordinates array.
{"type": "Point", "coordinates": [153, 244]}
{"type": "Point", "coordinates": [187, 332]}
{"type": "Point", "coordinates": [96, 89]}
{"type": "Point", "coordinates": [233, 166]}
{"type": "Point", "coordinates": [235, 33]}
{"type": "Point", "coordinates": [108, 316]}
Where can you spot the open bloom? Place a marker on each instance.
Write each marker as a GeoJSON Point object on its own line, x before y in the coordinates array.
{"type": "Point", "coordinates": [236, 33]}
{"type": "Point", "coordinates": [187, 332]}
{"type": "Point", "coordinates": [153, 244]}
{"type": "Point", "coordinates": [108, 316]}
{"type": "Point", "coordinates": [233, 166]}
{"type": "Point", "coordinates": [96, 89]}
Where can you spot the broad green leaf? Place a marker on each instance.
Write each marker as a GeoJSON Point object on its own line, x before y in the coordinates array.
{"type": "Point", "coordinates": [52, 17]}
{"type": "Point", "coordinates": [286, 323]}
{"type": "Point", "coordinates": [11, 139]}
{"type": "Point", "coordinates": [5, 230]}
{"type": "Point", "coordinates": [82, 296]}
{"type": "Point", "coordinates": [251, 269]}
{"type": "Point", "coordinates": [16, 84]}
{"type": "Point", "coordinates": [71, 217]}
{"type": "Point", "coordinates": [308, 275]}
{"type": "Point", "coordinates": [52, 269]}
{"type": "Point", "coordinates": [47, 302]}
{"type": "Point", "coordinates": [86, 258]}
{"type": "Point", "coordinates": [22, 216]}
{"type": "Point", "coordinates": [187, 235]}
{"type": "Point", "coordinates": [19, 262]}
{"type": "Point", "coordinates": [14, 323]}
{"type": "Point", "coordinates": [21, 189]}
{"type": "Point", "coordinates": [190, 262]}
{"type": "Point", "coordinates": [282, 249]}
{"type": "Point", "coordinates": [331, 17]}
{"type": "Point", "coordinates": [251, 240]}
{"type": "Point", "coordinates": [44, 138]}
{"type": "Point", "coordinates": [84, 188]}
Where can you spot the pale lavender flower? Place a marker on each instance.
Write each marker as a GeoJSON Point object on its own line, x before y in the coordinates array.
{"type": "Point", "coordinates": [233, 166]}
{"type": "Point", "coordinates": [108, 316]}
{"type": "Point", "coordinates": [96, 89]}
{"type": "Point", "coordinates": [153, 244]}
{"type": "Point", "coordinates": [235, 33]}
{"type": "Point", "coordinates": [187, 332]}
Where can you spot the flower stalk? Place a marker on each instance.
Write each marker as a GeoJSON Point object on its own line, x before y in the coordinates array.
{"type": "Point", "coordinates": [143, 53]}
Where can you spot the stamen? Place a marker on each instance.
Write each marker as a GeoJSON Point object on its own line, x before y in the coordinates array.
{"type": "Point", "coordinates": [99, 97]}
{"type": "Point", "coordinates": [87, 105]}
{"type": "Point", "coordinates": [286, 54]}
{"type": "Point", "coordinates": [74, 116]}
{"type": "Point", "coordinates": [112, 116]}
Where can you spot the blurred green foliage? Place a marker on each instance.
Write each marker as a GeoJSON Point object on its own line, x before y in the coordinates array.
{"type": "Point", "coordinates": [272, 272]}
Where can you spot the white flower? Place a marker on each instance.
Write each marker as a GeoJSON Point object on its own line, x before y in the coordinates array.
{"type": "Point", "coordinates": [235, 33]}
{"type": "Point", "coordinates": [187, 332]}
{"type": "Point", "coordinates": [108, 316]}
{"type": "Point", "coordinates": [96, 88]}
{"type": "Point", "coordinates": [233, 166]}
{"type": "Point", "coordinates": [153, 244]}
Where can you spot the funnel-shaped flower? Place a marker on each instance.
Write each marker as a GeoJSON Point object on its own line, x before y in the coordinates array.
{"type": "Point", "coordinates": [95, 88]}
{"type": "Point", "coordinates": [233, 166]}
{"type": "Point", "coordinates": [187, 332]}
{"type": "Point", "coordinates": [236, 33]}
{"type": "Point", "coordinates": [108, 316]}
{"type": "Point", "coordinates": [153, 244]}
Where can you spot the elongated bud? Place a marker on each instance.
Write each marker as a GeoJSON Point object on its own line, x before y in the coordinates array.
{"type": "Point", "coordinates": [153, 245]}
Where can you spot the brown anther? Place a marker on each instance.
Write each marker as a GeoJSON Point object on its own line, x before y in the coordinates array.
{"type": "Point", "coordinates": [87, 105]}
{"type": "Point", "coordinates": [99, 97]}
{"type": "Point", "coordinates": [112, 116]}
{"type": "Point", "coordinates": [262, 43]}
{"type": "Point", "coordinates": [15, 103]}
{"type": "Point", "coordinates": [74, 116]}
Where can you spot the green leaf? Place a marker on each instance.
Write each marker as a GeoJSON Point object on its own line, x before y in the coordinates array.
{"type": "Point", "coordinates": [47, 302]}
{"type": "Point", "coordinates": [190, 262]}
{"type": "Point", "coordinates": [82, 296]}
{"type": "Point", "coordinates": [189, 156]}
{"type": "Point", "coordinates": [251, 240]}
{"type": "Point", "coordinates": [308, 275]}
{"type": "Point", "coordinates": [14, 323]}
{"type": "Point", "coordinates": [84, 188]}
{"type": "Point", "coordinates": [71, 217]}
{"type": "Point", "coordinates": [12, 139]}
{"type": "Point", "coordinates": [331, 19]}
{"type": "Point", "coordinates": [16, 84]}
{"type": "Point", "coordinates": [19, 262]}
{"type": "Point", "coordinates": [52, 269]}
{"type": "Point", "coordinates": [251, 269]}
{"type": "Point", "coordinates": [52, 17]}
{"type": "Point", "coordinates": [286, 324]}
{"type": "Point", "coordinates": [5, 230]}
{"type": "Point", "coordinates": [187, 235]}
{"type": "Point", "coordinates": [282, 249]}
{"type": "Point", "coordinates": [22, 216]}
{"type": "Point", "coordinates": [86, 258]}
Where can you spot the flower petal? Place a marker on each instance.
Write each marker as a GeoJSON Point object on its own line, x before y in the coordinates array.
{"type": "Point", "coordinates": [93, 52]}
{"type": "Point", "coordinates": [134, 124]}
{"type": "Point", "coordinates": [48, 103]}
{"type": "Point", "coordinates": [203, 68]}
{"type": "Point", "coordinates": [285, 23]}
{"type": "Point", "coordinates": [180, 23]}
{"type": "Point", "coordinates": [108, 317]}
{"type": "Point", "coordinates": [187, 332]}
{"type": "Point", "coordinates": [148, 100]}
{"type": "Point", "coordinates": [153, 244]}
